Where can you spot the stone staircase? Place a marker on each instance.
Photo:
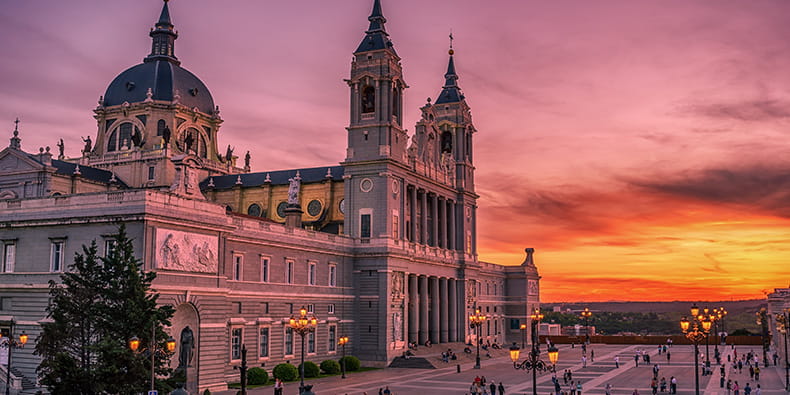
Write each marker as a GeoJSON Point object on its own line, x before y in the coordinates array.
{"type": "Point", "coordinates": [431, 357]}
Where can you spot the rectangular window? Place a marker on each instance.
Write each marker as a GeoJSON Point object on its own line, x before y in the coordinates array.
{"type": "Point", "coordinates": [395, 226]}
{"type": "Point", "coordinates": [265, 307]}
{"type": "Point", "coordinates": [289, 307]}
{"type": "Point", "coordinates": [332, 341]}
{"type": "Point", "coordinates": [235, 345]}
{"type": "Point", "coordinates": [9, 257]}
{"type": "Point", "coordinates": [332, 275]}
{"type": "Point", "coordinates": [265, 269]}
{"type": "Point", "coordinates": [238, 261]}
{"type": "Point", "coordinates": [364, 226]}
{"type": "Point", "coordinates": [56, 256]}
{"type": "Point", "coordinates": [311, 273]}
{"type": "Point", "coordinates": [151, 170]}
{"type": "Point", "coordinates": [289, 272]}
{"type": "Point", "coordinates": [289, 341]}
{"type": "Point", "coordinates": [109, 247]}
{"type": "Point", "coordinates": [311, 308]}
{"type": "Point", "coordinates": [264, 342]}
{"type": "Point", "coordinates": [5, 303]}
{"type": "Point", "coordinates": [469, 242]}
{"type": "Point", "coordinates": [330, 308]}
{"type": "Point", "coordinates": [236, 307]}
{"type": "Point", "coordinates": [311, 343]}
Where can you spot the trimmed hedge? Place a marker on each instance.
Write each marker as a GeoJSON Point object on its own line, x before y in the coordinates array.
{"type": "Point", "coordinates": [285, 372]}
{"type": "Point", "coordinates": [352, 363]}
{"type": "Point", "coordinates": [310, 369]}
{"type": "Point", "coordinates": [330, 367]}
{"type": "Point", "coordinates": [257, 376]}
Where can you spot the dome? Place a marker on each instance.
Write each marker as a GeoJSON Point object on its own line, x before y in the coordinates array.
{"type": "Point", "coordinates": [165, 79]}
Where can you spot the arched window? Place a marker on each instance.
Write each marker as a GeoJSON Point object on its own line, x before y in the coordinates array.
{"type": "Point", "coordinates": [368, 99]}
{"type": "Point", "coordinates": [121, 137]}
{"type": "Point", "coordinates": [160, 127]}
{"type": "Point", "coordinates": [191, 140]}
{"type": "Point", "coordinates": [447, 141]}
{"type": "Point", "coordinates": [396, 104]}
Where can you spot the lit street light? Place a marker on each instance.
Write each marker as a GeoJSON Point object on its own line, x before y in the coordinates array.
{"type": "Point", "coordinates": [343, 341]}
{"type": "Point", "coordinates": [476, 321]}
{"type": "Point", "coordinates": [696, 335]}
{"type": "Point", "coordinates": [586, 314]}
{"type": "Point", "coordinates": [302, 325]}
{"type": "Point", "coordinates": [533, 363]}
{"type": "Point", "coordinates": [11, 343]}
{"type": "Point", "coordinates": [170, 346]}
{"type": "Point", "coordinates": [762, 320]}
{"type": "Point", "coordinates": [783, 326]}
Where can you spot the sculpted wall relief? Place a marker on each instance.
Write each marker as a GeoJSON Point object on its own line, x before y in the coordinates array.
{"type": "Point", "coordinates": [189, 252]}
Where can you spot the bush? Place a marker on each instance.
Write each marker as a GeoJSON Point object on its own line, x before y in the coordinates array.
{"type": "Point", "coordinates": [207, 392]}
{"type": "Point", "coordinates": [257, 376]}
{"type": "Point", "coordinates": [352, 363]}
{"type": "Point", "coordinates": [330, 367]}
{"type": "Point", "coordinates": [285, 372]}
{"type": "Point", "coordinates": [310, 369]}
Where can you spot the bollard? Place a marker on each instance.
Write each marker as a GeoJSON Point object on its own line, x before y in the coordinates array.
{"type": "Point", "coordinates": [458, 368]}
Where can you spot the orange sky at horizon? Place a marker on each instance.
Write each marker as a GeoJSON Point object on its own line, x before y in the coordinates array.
{"type": "Point", "coordinates": [640, 147]}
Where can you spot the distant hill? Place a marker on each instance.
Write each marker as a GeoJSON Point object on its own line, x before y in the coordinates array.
{"type": "Point", "coordinates": [732, 307]}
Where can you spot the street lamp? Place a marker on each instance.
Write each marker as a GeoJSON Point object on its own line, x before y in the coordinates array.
{"type": "Point", "coordinates": [11, 343]}
{"type": "Point", "coordinates": [783, 326]}
{"type": "Point", "coordinates": [709, 318]}
{"type": "Point", "coordinates": [523, 335]}
{"type": "Point", "coordinates": [696, 334]}
{"type": "Point", "coordinates": [533, 363]}
{"type": "Point", "coordinates": [476, 320]}
{"type": "Point", "coordinates": [762, 320]}
{"type": "Point", "coordinates": [302, 325]}
{"type": "Point", "coordinates": [170, 346]}
{"type": "Point", "coordinates": [342, 341]}
{"type": "Point", "coordinates": [586, 314]}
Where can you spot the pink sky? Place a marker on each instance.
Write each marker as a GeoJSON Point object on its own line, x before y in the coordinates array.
{"type": "Point", "coordinates": [639, 147]}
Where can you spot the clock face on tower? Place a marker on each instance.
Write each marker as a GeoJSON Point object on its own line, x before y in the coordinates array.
{"type": "Point", "coordinates": [342, 206]}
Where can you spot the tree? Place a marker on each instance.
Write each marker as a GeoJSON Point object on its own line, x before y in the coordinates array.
{"type": "Point", "coordinates": [101, 303]}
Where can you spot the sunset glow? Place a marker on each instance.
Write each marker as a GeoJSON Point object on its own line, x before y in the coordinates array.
{"type": "Point", "coordinates": [640, 147]}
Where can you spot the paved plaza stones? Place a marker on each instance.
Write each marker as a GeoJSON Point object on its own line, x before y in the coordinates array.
{"type": "Point", "coordinates": [594, 377]}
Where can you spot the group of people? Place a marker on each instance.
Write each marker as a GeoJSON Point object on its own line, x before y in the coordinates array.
{"type": "Point", "coordinates": [571, 387]}
{"type": "Point", "coordinates": [448, 355]}
{"type": "Point", "coordinates": [481, 386]}
{"type": "Point", "coordinates": [752, 362]}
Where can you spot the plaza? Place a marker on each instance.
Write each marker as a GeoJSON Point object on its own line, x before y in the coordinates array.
{"type": "Point", "coordinates": [594, 377]}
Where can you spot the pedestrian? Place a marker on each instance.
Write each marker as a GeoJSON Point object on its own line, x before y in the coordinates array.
{"type": "Point", "coordinates": [572, 388]}
{"type": "Point", "coordinates": [663, 384]}
{"type": "Point", "coordinates": [278, 387]}
{"type": "Point", "coordinates": [579, 388]}
{"type": "Point", "coordinates": [729, 386]}
{"type": "Point", "coordinates": [736, 389]}
{"type": "Point", "coordinates": [673, 385]}
{"type": "Point", "coordinates": [493, 387]}
{"type": "Point", "coordinates": [668, 357]}
{"type": "Point", "coordinates": [751, 373]}
{"type": "Point", "coordinates": [381, 391]}
{"type": "Point", "coordinates": [636, 392]}
{"type": "Point", "coordinates": [584, 361]}
{"type": "Point", "coordinates": [758, 390]}
{"type": "Point", "coordinates": [608, 389]}
{"type": "Point", "coordinates": [387, 390]}
{"type": "Point", "coordinates": [776, 359]}
{"type": "Point", "coordinates": [757, 373]}
{"type": "Point", "coordinates": [747, 390]}
{"type": "Point", "coordinates": [501, 389]}
{"type": "Point", "coordinates": [616, 361]}
{"type": "Point", "coordinates": [654, 386]}
{"type": "Point", "coordinates": [592, 355]}
{"type": "Point", "coordinates": [636, 359]}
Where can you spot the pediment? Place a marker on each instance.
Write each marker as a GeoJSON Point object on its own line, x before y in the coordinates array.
{"type": "Point", "coordinates": [13, 161]}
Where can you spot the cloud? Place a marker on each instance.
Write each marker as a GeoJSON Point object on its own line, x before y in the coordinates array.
{"type": "Point", "coordinates": [716, 265]}
{"type": "Point", "coordinates": [756, 110]}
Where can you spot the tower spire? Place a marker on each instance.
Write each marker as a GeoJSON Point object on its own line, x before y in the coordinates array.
{"type": "Point", "coordinates": [16, 142]}
{"type": "Point", "coordinates": [376, 37]}
{"type": "Point", "coordinates": [451, 92]}
{"type": "Point", "coordinates": [164, 37]}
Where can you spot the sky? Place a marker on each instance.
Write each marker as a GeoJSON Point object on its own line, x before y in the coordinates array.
{"type": "Point", "coordinates": [640, 147]}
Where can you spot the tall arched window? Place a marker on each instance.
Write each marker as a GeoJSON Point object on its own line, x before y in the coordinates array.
{"type": "Point", "coordinates": [192, 140]}
{"type": "Point", "coordinates": [368, 99]}
{"type": "Point", "coordinates": [121, 137]}
{"type": "Point", "coordinates": [160, 127]}
{"type": "Point", "coordinates": [447, 141]}
{"type": "Point", "coordinates": [396, 104]}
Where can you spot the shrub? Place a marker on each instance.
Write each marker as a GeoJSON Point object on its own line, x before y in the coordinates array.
{"type": "Point", "coordinates": [330, 367]}
{"type": "Point", "coordinates": [285, 372]}
{"type": "Point", "coordinates": [310, 369]}
{"type": "Point", "coordinates": [207, 392]}
{"type": "Point", "coordinates": [257, 376]}
{"type": "Point", "coordinates": [352, 363]}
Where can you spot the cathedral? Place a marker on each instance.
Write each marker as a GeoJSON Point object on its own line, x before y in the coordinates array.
{"type": "Point", "coordinates": [379, 247]}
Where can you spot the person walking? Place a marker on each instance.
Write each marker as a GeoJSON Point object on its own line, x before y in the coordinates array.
{"type": "Point", "coordinates": [673, 385]}
{"type": "Point", "coordinates": [663, 384]}
{"type": "Point", "coordinates": [636, 359]}
{"type": "Point", "coordinates": [608, 389]}
{"type": "Point", "coordinates": [654, 386]}
{"type": "Point", "coordinates": [501, 389]}
{"type": "Point", "coordinates": [757, 373]}
{"type": "Point", "coordinates": [668, 355]}
{"type": "Point", "coordinates": [736, 389]}
{"type": "Point", "coordinates": [729, 386]}
{"type": "Point", "coordinates": [592, 356]}
{"type": "Point", "coordinates": [579, 388]}
{"type": "Point", "coordinates": [616, 361]}
{"type": "Point", "coordinates": [584, 361]}
{"type": "Point", "coordinates": [747, 390]}
{"type": "Point", "coordinates": [278, 387]}
{"type": "Point", "coordinates": [758, 390]}
{"type": "Point", "coordinates": [492, 387]}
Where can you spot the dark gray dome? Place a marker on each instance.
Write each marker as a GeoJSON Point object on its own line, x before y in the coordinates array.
{"type": "Point", "coordinates": [165, 79]}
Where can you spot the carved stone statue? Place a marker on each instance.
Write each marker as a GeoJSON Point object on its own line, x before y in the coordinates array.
{"type": "Point", "coordinates": [166, 135]}
{"type": "Point", "coordinates": [88, 145]}
{"type": "Point", "coordinates": [293, 190]}
{"type": "Point", "coordinates": [187, 348]}
{"type": "Point", "coordinates": [188, 140]}
{"type": "Point", "coordinates": [229, 154]}
{"type": "Point", "coordinates": [61, 147]}
{"type": "Point", "coordinates": [137, 138]}
{"type": "Point", "coordinates": [247, 160]}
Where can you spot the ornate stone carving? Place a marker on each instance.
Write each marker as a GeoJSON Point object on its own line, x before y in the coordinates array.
{"type": "Point", "coordinates": [189, 252]}
{"type": "Point", "coordinates": [397, 285]}
{"type": "Point", "coordinates": [533, 287]}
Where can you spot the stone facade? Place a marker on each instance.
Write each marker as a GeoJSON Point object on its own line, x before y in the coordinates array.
{"type": "Point", "coordinates": [778, 303]}
{"type": "Point", "coordinates": [381, 248]}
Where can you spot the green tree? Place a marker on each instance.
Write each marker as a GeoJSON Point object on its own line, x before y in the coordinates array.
{"type": "Point", "coordinates": [99, 304]}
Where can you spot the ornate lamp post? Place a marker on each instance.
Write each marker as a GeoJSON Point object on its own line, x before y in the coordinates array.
{"type": "Point", "coordinates": [706, 316]}
{"type": "Point", "coordinates": [523, 335]}
{"type": "Point", "coordinates": [533, 363]}
{"type": "Point", "coordinates": [476, 320]}
{"type": "Point", "coordinates": [170, 346]}
{"type": "Point", "coordinates": [715, 318]}
{"type": "Point", "coordinates": [343, 341]}
{"type": "Point", "coordinates": [302, 325]}
{"type": "Point", "coordinates": [723, 314]}
{"type": "Point", "coordinates": [586, 314]}
{"type": "Point", "coordinates": [762, 320]}
{"type": "Point", "coordinates": [696, 334]}
{"type": "Point", "coordinates": [10, 344]}
{"type": "Point", "coordinates": [783, 326]}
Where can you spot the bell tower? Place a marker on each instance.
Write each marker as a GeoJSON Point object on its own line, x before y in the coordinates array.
{"type": "Point", "coordinates": [376, 85]}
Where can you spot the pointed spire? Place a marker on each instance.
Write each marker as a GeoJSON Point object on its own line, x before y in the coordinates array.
{"type": "Point", "coordinates": [376, 37]}
{"type": "Point", "coordinates": [451, 92]}
{"type": "Point", "coordinates": [164, 37]}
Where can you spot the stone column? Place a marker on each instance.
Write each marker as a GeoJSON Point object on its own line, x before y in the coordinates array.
{"type": "Point", "coordinates": [423, 298]}
{"type": "Point", "coordinates": [414, 310]}
{"type": "Point", "coordinates": [453, 233]}
{"type": "Point", "coordinates": [424, 219]}
{"type": "Point", "coordinates": [434, 331]}
{"type": "Point", "coordinates": [443, 304]}
{"type": "Point", "coordinates": [453, 313]}
{"type": "Point", "coordinates": [442, 222]}
{"type": "Point", "coordinates": [435, 216]}
{"type": "Point", "coordinates": [413, 213]}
